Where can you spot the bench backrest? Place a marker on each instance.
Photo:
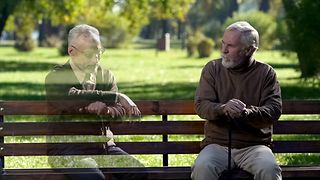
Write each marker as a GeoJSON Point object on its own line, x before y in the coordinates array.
{"type": "Point", "coordinates": [164, 127]}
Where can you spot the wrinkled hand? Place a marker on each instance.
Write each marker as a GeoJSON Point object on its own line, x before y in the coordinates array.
{"type": "Point", "coordinates": [234, 108]}
{"type": "Point", "coordinates": [113, 112]}
{"type": "Point", "coordinates": [96, 107]}
{"type": "Point", "coordinates": [129, 105]}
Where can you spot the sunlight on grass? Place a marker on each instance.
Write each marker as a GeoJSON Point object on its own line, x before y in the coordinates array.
{"type": "Point", "coordinates": [141, 73]}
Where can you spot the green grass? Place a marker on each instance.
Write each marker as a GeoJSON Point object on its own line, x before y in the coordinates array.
{"type": "Point", "coordinates": [145, 74]}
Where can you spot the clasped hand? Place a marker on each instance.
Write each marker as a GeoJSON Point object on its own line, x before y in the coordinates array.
{"type": "Point", "coordinates": [129, 105]}
{"type": "Point", "coordinates": [234, 108]}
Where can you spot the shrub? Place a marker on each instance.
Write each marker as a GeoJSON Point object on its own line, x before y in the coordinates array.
{"type": "Point", "coordinates": [24, 28]}
{"type": "Point", "coordinates": [191, 46]}
{"type": "Point", "coordinates": [24, 44]}
{"type": "Point", "coordinates": [52, 41]}
{"type": "Point", "coordinates": [193, 41]}
{"type": "Point", "coordinates": [113, 28]}
{"type": "Point", "coordinates": [205, 47]}
{"type": "Point", "coordinates": [115, 32]}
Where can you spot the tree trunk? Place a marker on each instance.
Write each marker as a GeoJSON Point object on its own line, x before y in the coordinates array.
{"type": "Point", "coordinates": [6, 8]}
{"type": "Point", "coordinates": [264, 5]}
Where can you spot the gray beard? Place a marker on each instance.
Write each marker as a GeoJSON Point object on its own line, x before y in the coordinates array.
{"type": "Point", "coordinates": [229, 63]}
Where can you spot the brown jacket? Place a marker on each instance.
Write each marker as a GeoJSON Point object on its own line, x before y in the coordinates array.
{"type": "Point", "coordinates": [256, 85]}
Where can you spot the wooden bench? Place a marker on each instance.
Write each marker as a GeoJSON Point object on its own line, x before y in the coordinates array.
{"type": "Point", "coordinates": [164, 128]}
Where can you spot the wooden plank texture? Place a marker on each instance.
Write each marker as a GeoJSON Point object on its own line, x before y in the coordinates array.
{"type": "Point", "coordinates": [178, 147]}
{"type": "Point", "coordinates": [93, 128]}
{"type": "Point", "coordinates": [138, 128]}
{"type": "Point", "coordinates": [149, 107]}
{"type": "Point", "coordinates": [178, 173]}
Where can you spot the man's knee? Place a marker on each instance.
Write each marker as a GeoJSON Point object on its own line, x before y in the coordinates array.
{"type": "Point", "coordinates": [268, 170]}
{"type": "Point", "coordinates": [203, 169]}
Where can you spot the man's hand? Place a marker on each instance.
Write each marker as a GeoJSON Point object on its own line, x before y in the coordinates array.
{"type": "Point", "coordinates": [114, 112]}
{"type": "Point", "coordinates": [129, 105]}
{"type": "Point", "coordinates": [234, 108]}
{"type": "Point", "coordinates": [96, 107]}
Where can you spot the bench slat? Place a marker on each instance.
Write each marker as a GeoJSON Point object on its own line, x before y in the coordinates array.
{"type": "Point", "coordinates": [136, 128]}
{"type": "Point", "coordinates": [179, 147]}
{"type": "Point", "coordinates": [296, 146]}
{"type": "Point", "coordinates": [93, 128]}
{"type": "Point", "coordinates": [301, 107]}
{"type": "Point", "coordinates": [96, 148]}
{"type": "Point", "coordinates": [151, 107]}
{"type": "Point", "coordinates": [288, 172]}
{"type": "Point", "coordinates": [297, 127]}
{"type": "Point", "coordinates": [153, 173]}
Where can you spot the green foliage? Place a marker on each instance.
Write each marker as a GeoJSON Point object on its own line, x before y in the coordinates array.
{"type": "Point", "coordinates": [24, 41]}
{"type": "Point", "coordinates": [52, 41]}
{"type": "Point", "coordinates": [135, 13]}
{"type": "Point", "coordinates": [264, 23]}
{"type": "Point", "coordinates": [170, 9]}
{"type": "Point", "coordinates": [7, 7]}
{"type": "Point", "coordinates": [210, 14]}
{"type": "Point", "coordinates": [59, 12]}
{"type": "Point", "coordinates": [302, 18]}
{"type": "Point", "coordinates": [115, 33]}
{"type": "Point", "coordinates": [198, 42]}
{"type": "Point", "coordinates": [205, 47]}
{"type": "Point", "coordinates": [191, 46]}
{"type": "Point", "coordinates": [193, 41]}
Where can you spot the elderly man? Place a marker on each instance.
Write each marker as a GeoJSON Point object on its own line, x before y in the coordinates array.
{"type": "Point", "coordinates": [93, 89]}
{"type": "Point", "coordinates": [240, 90]}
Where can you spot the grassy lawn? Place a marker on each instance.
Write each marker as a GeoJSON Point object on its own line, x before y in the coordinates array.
{"type": "Point", "coordinates": [144, 74]}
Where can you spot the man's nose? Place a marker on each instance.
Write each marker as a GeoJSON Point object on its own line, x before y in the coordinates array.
{"type": "Point", "coordinates": [224, 49]}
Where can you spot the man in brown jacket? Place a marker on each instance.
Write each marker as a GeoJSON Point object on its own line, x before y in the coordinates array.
{"type": "Point", "coordinates": [240, 90]}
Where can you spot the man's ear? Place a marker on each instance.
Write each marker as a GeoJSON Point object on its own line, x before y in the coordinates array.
{"type": "Point", "coordinates": [250, 50]}
{"type": "Point", "coordinates": [71, 51]}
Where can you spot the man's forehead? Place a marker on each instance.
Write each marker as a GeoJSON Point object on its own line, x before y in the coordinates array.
{"type": "Point", "coordinates": [87, 44]}
{"type": "Point", "coordinates": [231, 36]}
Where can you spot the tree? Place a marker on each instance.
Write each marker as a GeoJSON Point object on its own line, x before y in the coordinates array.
{"type": "Point", "coordinates": [302, 17]}
{"type": "Point", "coordinates": [57, 12]}
{"type": "Point", "coordinates": [164, 10]}
{"type": "Point", "coordinates": [136, 14]}
{"type": "Point", "coordinates": [7, 7]}
{"type": "Point", "coordinates": [209, 15]}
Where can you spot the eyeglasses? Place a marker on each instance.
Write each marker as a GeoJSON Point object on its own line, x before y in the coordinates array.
{"type": "Point", "coordinates": [91, 53]}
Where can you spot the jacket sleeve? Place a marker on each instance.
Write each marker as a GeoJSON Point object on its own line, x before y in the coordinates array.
{"type": "Point", "coordinates": [93, 95]}
{"type": "Point", "coordinates": [270, 108]}
{"type": "Point", "coordinates": [206, 101]}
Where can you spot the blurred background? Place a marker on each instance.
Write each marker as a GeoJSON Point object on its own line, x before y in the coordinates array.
{"type": "Point", "coordinates": [157, 48]}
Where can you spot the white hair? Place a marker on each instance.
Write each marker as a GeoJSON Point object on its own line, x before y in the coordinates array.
{"type": "Point", "coordinates": [249, 35]}
{"type": "Point", "coordinates": [84, 30]}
